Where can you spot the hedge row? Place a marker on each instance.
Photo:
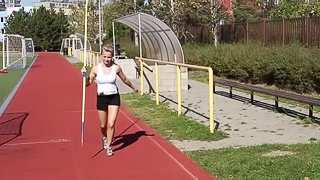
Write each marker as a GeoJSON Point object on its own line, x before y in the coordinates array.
{"type": "Point", "coordinates": [290, 67]}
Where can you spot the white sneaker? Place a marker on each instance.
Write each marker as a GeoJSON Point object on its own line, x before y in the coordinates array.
{"type": "Point", "coordinates": [109, 151]}
{"type": "Point", "coordinates": [104, 142]}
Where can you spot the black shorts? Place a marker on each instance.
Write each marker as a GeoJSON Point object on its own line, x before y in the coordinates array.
{"type": "Point", "coordinates": [103, 101]}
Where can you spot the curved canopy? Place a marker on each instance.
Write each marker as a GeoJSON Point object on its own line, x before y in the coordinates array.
{"type": "Point", "coordinates": [158, 40]}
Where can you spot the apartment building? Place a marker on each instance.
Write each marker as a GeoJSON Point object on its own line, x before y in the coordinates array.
{"type": "Point", "coordinates": [65, 5]}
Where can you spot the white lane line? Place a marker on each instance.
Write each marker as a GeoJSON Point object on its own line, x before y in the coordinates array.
{"type": "Point", "coordinates": [154, 141]}
{"type": "Point", "coordinates": [39, 142]}
{"type": "Point", "coordinates": [79, 111]}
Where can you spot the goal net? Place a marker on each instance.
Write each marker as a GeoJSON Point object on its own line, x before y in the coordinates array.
{"type": "Point", "coordinates": [13, 52]}
{"type": "Point", "coordinates": [29, 47]}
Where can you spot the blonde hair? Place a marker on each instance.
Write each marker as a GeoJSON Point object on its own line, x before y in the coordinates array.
{"type": "Point", "coordinates": [106, 48]}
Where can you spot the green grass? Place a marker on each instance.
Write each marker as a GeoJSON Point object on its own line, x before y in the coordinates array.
{"type": "Point", "coordinates": [249, 163]}
{"type": "Point", "coordinates": [9, 80]}
{"type": "Point", "coordinates": [166, 121]}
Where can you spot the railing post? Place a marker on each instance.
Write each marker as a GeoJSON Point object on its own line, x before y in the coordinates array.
{"type": "Point", "coordinates": [141, 76]}
{"type": "Point", "coordinates": [179, 88]}
{"type": "Point", "coordinates": [310, 111]}
{"type": "Point", "coordinates": [211, 105]}
{"type": "Point", "coordinates": [157, 83]}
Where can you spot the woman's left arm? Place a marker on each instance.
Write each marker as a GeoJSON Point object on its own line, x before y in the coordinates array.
{"type": "Point", "coordinates": [125, 79]}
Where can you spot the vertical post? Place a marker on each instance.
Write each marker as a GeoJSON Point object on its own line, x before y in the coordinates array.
{"type": "Point", "coordinates": [264, 32]}
{"type": "Point", "coordinates": [247, 32]}
{"type": "Point", "coordinates": [140, 54]}
{"type": "Point", "coordinates": [310, 111]}
{"type": "Point", "coordinates": [114, 39]}
{"type": "Point", "coordinates": [24, 53]}
{"type": "Point", "coordinates": [179, 88]}
{"type": "Point", "coordinates": [252, 97]}
{"type": "Point", "coordinates": [84, 78]}
{"type": "Point", "coordinates": [7, 51]}
{"type": "Point", "coordinates": [3, 54]}
{"type": "Point", "coordinates": [283, 32]}
{"type": "Point", "coordinates": [100, 26]}
{"type": "Point", "coordinates": [141, 76]}
{"type": "Point", "coordinates": [157, 83]}
{"type": "Point", "coordinates": [211, 120]}
{"type": "Point", "coordinates": [276, 101]}
{"type": "Point", "coordinates": [233, 33]}
{"type": "Point", "coordinates": [307, 30]}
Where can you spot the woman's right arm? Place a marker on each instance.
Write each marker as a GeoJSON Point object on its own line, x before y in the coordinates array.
{"type": "Point", "coordinates": [91, 77]}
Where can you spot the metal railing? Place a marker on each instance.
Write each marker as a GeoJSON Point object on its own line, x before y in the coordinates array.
{"type": "Point", "coordinates": [178, 76]}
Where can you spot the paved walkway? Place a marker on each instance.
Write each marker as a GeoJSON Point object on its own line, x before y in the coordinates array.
{"type": "Point", "coordinates": [246, 124]}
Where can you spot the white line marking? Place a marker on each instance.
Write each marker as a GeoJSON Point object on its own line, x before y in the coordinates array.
{"type": "Point", "coordinates": [154, 141]}
{"type": "Point", "coordinates": [39, 142]}
{"type": "Point", "coordinates": [78, 111]}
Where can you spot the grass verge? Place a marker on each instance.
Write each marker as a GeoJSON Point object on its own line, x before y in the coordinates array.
{"type": "Point", "coordinates": [262, 162]}
{"type": "Point", "coordinates": [166, 121]}
{"type": "Point", "coordinates": [9, 80]}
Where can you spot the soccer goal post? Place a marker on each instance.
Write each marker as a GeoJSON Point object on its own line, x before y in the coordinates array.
{"type": "Point", "coordinates": [13, 51]}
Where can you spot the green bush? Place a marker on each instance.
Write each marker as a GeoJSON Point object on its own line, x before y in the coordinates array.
{"type": "Point", "coordinates": [290, 67]}
{"type": "Point", "coordinates": [130, 50]}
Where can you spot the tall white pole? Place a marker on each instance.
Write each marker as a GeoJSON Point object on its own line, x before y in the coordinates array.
{"type": "Point", "coordinates": [135, 34]}
{"type": "Point", "coordinates": [3, 55]}
{"type": "Point", "coordinates": [100, 43]}
{"type": "Point", "coordinates": [102, 14]}
{"type": "Point", "coordinates": [140, 47]}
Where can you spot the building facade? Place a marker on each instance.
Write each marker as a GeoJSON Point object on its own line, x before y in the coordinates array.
{"type": "Point", "coordinates": [65, 5]}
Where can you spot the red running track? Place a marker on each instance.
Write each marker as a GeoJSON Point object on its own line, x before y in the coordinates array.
{"type": "Point", "coordinates": [41, 127]}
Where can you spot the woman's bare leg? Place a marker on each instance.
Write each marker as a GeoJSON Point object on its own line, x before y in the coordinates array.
{"type": "Point", "coordinates": [112, 117]}
{"type": "Point", "coordinates": [103, 121]}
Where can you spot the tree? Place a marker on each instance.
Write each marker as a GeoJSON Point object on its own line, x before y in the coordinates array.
{"type": "Point", "coordinates": [295, 9]}
{"type": "Point", "coordinates": [46, 27]}
{"type": "Point", "coordinates": [248, 10]}
{"type": "Point", "coordinates": [17, 23]}
{"type": "Point", "coordinates": [77, 20]}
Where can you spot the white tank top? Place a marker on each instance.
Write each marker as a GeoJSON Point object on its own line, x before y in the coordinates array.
{"type": "Point", "coordinates": [106, 82]}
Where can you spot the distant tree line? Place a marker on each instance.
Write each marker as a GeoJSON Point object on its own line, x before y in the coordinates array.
{"type": "Point", "coordinates": [47, 28]}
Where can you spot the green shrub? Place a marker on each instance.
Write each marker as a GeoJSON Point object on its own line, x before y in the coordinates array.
{"type": "Point", "coordinates": [290, 67]}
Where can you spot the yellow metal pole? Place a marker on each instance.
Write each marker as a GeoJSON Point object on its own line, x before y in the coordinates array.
{"type": "Point", "coordinates": [211, 120]}
{"type": "Point", "coordinates": [80, 54]}
{"type": "Point", "coordinates": [97, 59]}
{"type": "Point", "coordinates": [141, 76]}
{"type": "Point", "coordinates": [91, 58]}
{"type": "Point", "coordinates": [69, 51]}
{"type": "Point", "coordinates": [179, 88]}
{"type": "Point", "coordinates": [157, 83]}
